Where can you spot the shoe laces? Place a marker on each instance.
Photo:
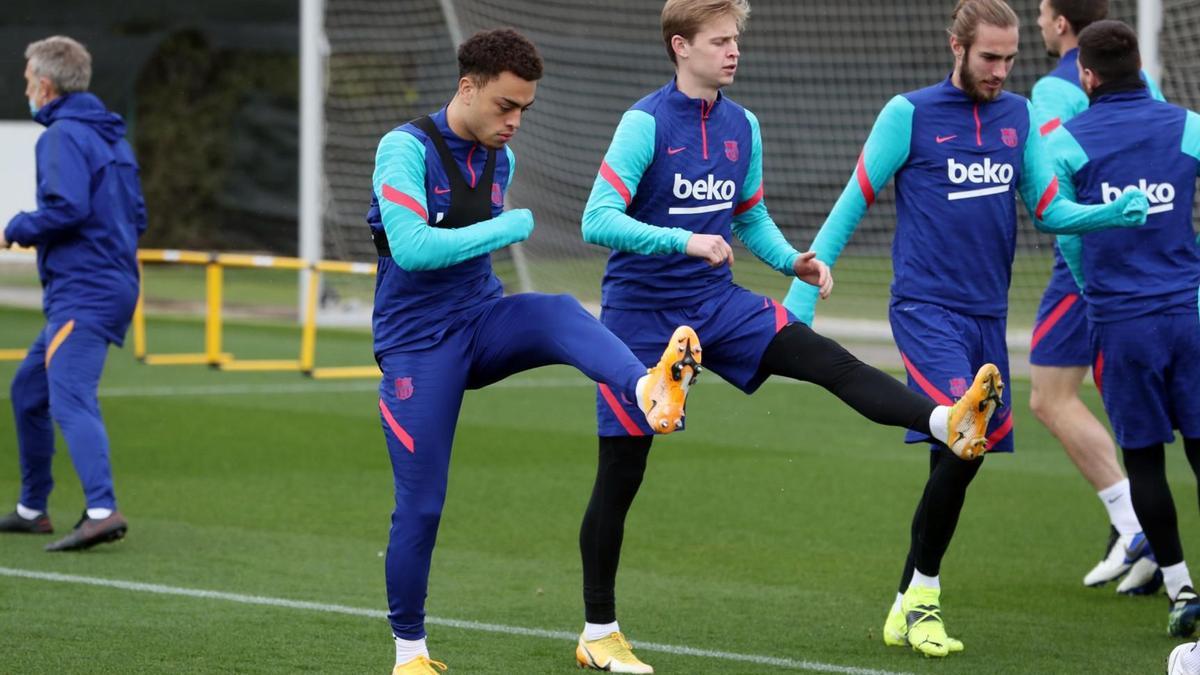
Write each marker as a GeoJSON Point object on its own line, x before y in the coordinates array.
{"type": "Point", "coordinates": [622, 651]}
{"type": "Point", "coordinates": [436, 665]}
{"type": "Point", "coordinates": [926, 613]}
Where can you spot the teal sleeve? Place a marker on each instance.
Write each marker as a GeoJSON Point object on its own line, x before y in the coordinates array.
{"type": "Point", "coordinates": [1042, 190]}
{"type": "Point", "coordinates": [1191, 142]}
{"type": "Point", "coordinates": [1155, 91]}
{"type": "Point", "coordinates": [1053, 99]}
{"type": "Point", "coordinates": [751, 222]}
{"type": "Point", "coordinates": [604, 220]}
{"type": "Point", "coordinates": [885, 151]}
{"type": "Point", "coordinates": [512, 167]}
{"type": "Point", "coordinates": [399, 183]}
{"type": "Point", "coordinates": [1071, 248]}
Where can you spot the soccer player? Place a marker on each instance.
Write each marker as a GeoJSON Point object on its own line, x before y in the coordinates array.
{"type": "Point", "coordinates": [89, 215]}
{"type": "Point", "coordinates": [1060, 353]}
{"type": "Point", "coordinates": [957, 149]}
{"type": "Point", "coordinates": [683, 173]}
{"type": "Point", "coordinates": [441, 323]}
{"type": "Point", "coordinates": [1140, 285]}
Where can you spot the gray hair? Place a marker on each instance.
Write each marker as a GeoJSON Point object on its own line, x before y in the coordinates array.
{"type": "Point", "coordinates": [63, 61]}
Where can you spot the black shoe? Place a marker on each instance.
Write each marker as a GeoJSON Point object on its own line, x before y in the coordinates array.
{"type": "Point", "coordinates": [88, 532]}
{"type": "Point", "coordinates": [13, 522]}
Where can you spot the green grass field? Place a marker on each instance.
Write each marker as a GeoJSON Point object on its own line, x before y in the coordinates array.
{"type": "Point", "coordinates": [775, 526]}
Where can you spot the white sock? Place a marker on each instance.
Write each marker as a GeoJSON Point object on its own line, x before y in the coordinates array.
{"type": "Point", "coordinates": [1191, 660]}
{"type": "Point", "coordinates": [1120, 507]}
{"type": "Point", "coordinates": [926, 581]}
{"type": "Point", "coordinates": [407, 650]}
{"type": "Point", "coordinates": [596, 631]}
{"type": "Point", "coordinates": [26, 512]}
{"type": "Point", "coordinates": [1175, 577]}
{"type": "Point", "coordinates": [939, 423]}
{"type": "Point", "coordinates": [99, 514]}
{"type": "Point", "coordinates": [899, 601]}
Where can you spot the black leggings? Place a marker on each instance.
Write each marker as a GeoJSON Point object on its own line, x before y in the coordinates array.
{"type": "Point", "coordinates": [796, 352]}
{"type": "Point", "coordinates": [1147, 469]}
{"type": "Point", "coordinates": [937, 513]}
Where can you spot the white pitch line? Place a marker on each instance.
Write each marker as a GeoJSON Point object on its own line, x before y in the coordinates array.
{"type": "Point", "coordinates": [792, 664]}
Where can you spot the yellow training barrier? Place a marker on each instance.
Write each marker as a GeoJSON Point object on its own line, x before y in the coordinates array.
{"type": "Point", "coordinates": [212, 354]}
{"type": "Point", "coordinates": [308, 339]}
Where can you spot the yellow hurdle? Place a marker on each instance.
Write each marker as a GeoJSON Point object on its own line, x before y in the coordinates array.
{"type": "Point", "coordinates": [212, 354]}
{"type": "Point", "coordinates": [308, 341]}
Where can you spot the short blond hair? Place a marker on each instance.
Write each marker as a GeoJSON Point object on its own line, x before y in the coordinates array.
{"type": "Point", "coordinates": [964, 22]}
{"type": "Point", "coordinates": [63, 61]}
{"type": "Point", "coordinates": [685, 17]}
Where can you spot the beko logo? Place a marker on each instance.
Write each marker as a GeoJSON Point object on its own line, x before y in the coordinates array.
{"type": "Point", "coordinates": [703, 189]}
{"type": "Point", "coordinates": [1160, 195]}
{"type": "Point", "coordinates": [997, 177]}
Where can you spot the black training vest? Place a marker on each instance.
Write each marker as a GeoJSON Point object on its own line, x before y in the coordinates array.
{"type": "Point", "coordinates": [468, 205]}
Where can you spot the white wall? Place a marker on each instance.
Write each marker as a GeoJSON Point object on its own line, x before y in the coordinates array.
{"type": "Point", "coordinates": [18, 167]}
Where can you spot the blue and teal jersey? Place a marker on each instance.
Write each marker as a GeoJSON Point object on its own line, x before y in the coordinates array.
{"type": "Point", "coordinates": [435, 274]}
{"type": "Point", "coordinates": [679, 166]}
{"type": "Point", "coordinates": [1128, 141]}
{"type": "Point", "coordinates": [958, 164]}
{"type": "Point", "coordinates": [1057, 98]}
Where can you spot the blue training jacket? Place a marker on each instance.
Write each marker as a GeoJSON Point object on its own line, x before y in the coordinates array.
{"type": "Point", "coordinates": [89, 217]}
{"type": "Point", "coordinates": [1057, 98]}
{"type": "Point", "coordinates": [678, 166]}
{"type": "Point", "coordinates": [958, 164]}
{"type": "Point", "coordinates": [435, 275]}
{"type": "Point", "coordinates": [1128, 141]}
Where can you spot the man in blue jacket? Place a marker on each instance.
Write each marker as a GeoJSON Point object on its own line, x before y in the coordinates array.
{"type": "Point", "coordinates": [90, 213]}
{"type": "Point", "coordinates": [1141, 285]}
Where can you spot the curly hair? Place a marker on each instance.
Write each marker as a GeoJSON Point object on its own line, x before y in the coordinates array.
{"type": "Point", "coordinates": [488, 53]}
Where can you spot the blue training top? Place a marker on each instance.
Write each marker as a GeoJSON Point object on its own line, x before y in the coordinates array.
{"type": "Point", "coordinates": [1057, 98]}
{"type": "Point", "coordinates": [90, 214]}
{"type": "Point", "coordinates": [435, 275]}
{"type": "Point", "coordinates": [678, 166]}
{"type": "Point", "coordinates": [956, 162]}
{"type": "Point", "coordinates": [1127, 141]}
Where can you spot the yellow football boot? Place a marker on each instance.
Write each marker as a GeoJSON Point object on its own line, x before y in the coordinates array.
{"type": "Point", "coordinates": [422, 665]}
{"type": "Point", "coordinates": [611, 654]}
{"type": "Point", "coordinates": [662, 393]}
{"type": "Point", "coordinates": [970, 415]}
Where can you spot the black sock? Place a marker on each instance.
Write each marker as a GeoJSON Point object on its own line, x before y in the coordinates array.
{"type": "Point", "coordinates": [937, 513]}
{"type": "Point", "coordinates": [1151, 496]}
{"type": "Point", "coordinates": [799, 353]}
{"type": "Point", "coordinates": [618, 476]}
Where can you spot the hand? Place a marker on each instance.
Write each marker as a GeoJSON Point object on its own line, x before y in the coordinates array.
{"type": "Point", "coordinates": [712, 247]}
{"type": "Point", "coordinates": [1134, 207]}
{"type": "Point", "coordinates": [525, 218]}
{"type": "Point", "coordinates": [814, 273]}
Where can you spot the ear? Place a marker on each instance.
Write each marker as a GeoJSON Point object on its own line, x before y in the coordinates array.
{"type": "Point", "coordinates": [956, 47]}
{"type": "Point", "coordinates": [681, 46]}
{"type": "Point", "coordinates": [466, 89]}
{"type": "Point", "coordinates": [1061, 26]}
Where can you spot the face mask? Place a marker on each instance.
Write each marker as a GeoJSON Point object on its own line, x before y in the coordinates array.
{"type": "Point", "coordinates": [33, 108]}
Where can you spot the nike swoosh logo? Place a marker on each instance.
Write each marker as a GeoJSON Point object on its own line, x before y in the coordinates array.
{"type": "Point", "coordinates": [1114, 500]}
{"type": "Point", "coordinates": [676, 151]}
{"type": "Point", "coordinates": [440, 190]}
{"type": "Point", "coordinates": [943, 139]}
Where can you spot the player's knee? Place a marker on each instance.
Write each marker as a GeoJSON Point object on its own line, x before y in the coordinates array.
{"type": "Point", "coordinates": [22, 392]}
{"type": "Point", "coordinates": [1044, 405]}
{"type": "Point", "coordinates": [420, 512]}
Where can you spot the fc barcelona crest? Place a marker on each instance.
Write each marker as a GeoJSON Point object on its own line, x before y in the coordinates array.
{"type": "Point", "coordinates": [497, 195]}
{"type": "Point", "coordinates": [404, 388]}
{"type": "Point", "coordinates": [731, 151]}
{"type": "Point", "coordinates": [1009, 136]}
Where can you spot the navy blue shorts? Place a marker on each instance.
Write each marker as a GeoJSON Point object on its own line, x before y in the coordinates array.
{"type": "Point", "coordinates": [1147, 369]}
{"type": "Point", "coordinates": [734, 329]}
{"type": "Point", "coordinates": [942, 350]}
{"type": "Point", "coordinates": [1061, 335]}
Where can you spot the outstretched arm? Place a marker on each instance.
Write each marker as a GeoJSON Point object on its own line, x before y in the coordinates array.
{"type": "Point", "coordinates": [399, 184]}
{"type": "Point", "coordinates": [1044, 197]}
{"type": "Point", "coordinates": [883, 154]}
